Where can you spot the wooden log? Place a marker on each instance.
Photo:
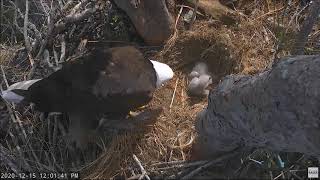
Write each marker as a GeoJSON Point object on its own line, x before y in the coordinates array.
{"type": "Point", "coordinates": [152, 19]}
{"type": "Point", "coordinates": [217, 10]}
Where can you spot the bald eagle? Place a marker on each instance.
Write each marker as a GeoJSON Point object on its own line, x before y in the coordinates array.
{"type": "Point", "coordinates": [108, 82]}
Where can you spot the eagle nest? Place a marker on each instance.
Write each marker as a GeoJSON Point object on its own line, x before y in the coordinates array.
{"type": "Point", "coordinates": [162, 145]}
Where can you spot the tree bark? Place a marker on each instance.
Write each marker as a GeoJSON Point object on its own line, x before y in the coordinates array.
{"type": "Point", "coordinates": [277, 109]}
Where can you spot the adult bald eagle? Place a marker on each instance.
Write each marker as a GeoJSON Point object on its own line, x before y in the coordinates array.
{"type": "Point", "coordinates": [104, 81]}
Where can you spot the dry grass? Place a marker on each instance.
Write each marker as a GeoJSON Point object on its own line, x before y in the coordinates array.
{"type": "Point", "coordinates": [263, 33]}
{"type": "Point", "coordinates": [248, 48]}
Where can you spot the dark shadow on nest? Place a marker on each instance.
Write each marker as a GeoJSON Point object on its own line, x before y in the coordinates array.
{"type": "Point", "coordinates": [123, 136]}
{"type": "Point", "coordinates": [195, 100]}
{"type": "Point", "coordinates": [139, 123]}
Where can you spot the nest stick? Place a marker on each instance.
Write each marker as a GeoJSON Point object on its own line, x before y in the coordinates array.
{"type": "Point", "coordinates": [66, 6]}
{"type": "Point", "coordinates": [55, 129]}
{"type": "Point", "coordinates": [46, 57]}
{"type": "Point", "coordinates": [63, 49]}
{"type": "Point", "coordinates": [194, 15]}
{"type": "Point", "coordinates": [5, 159]}
{"type": "Point", "coordinates": [307, 25]}
{"type": "Point", "coordinates": [19, 127]}
{"type": "Point", "coordinates": [181, 148]}
{"type": "Point", "coordinates": [4, 77]}
{"type": "Point", "coordinates": [184, 6]}
{"type": "Point", "coordinates": [13, 116]}
{"type": "Point", "coordinates": [295, 175]}
{"type": "Point", "coordinates": [178, 17]}
{"type": "Point", "coordinates": [182, 92]}
{"type": "Point", "coordinates": [169, 163]}
{"type": "Point", "coordinates": [79, 6]}
{"type": "Point", "coordinates": [143, 171]}
{"type": "Point", "coordinates": [174, 93]}
{"type": "Point", "coordinates": [55, 55]}
{"type": "Point", "coordinates": [25, 33]}
{"type": "Point", "coordinates": [25, 27]}
{"type": "Point", "coordinates": [25, 165]}
{"type": "Point", "coordinates": [72, 18]}
{"type": "Point", "coordinates": [49, 130]}
{"type": "Point", "coordinates": [186, 165]}
{"type": "Point", "coordinates": [199, 169]}
{"type": "Point", "coordinates": [280, 175]}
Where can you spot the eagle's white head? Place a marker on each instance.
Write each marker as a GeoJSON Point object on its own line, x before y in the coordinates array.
{"type": "Point", "coordinates": [164, 72]}
{"type": "Point", "coordinates": [11, 96]}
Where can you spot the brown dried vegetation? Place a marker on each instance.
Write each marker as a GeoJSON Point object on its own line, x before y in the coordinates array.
{"type": "Point", "coordinates": [263, 33]}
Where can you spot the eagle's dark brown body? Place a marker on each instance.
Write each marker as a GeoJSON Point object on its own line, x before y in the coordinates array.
{"type": "Point", "coordinates": [112, 82]}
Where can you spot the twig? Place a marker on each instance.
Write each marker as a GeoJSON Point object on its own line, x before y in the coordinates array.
{"type": "Point", "coordinates": [49, 161]}
{"type": "Point", "coordinates": [296, 14]}
{"type": "Point", "coordinates": [143, 171]}
{"type": "Point", "coordinates": [25, 33]}
{"type": "Point", "coordinates": [137, 176]}
{"type": "Point", "coordinates": [5, 158]}
{"type": "Point", "coordinates": [194, 15]}
{"type": "Point", "coordinates": [111, 41]}
{"type": "Point", "coordinates": [16, 120]}
{"type": "Point", "coordinates": [4, 76]}
{"type": "Point", "coordinates": [271, 175]}
{"type": "Point", "coordinates": [280, 175]}
{"type": "Point", "coordinates": [43, 44]}
{"type": "Point", "coordinates": [25, 27]}
{"type": "Point", "coordinates": [49, 130]}
{"type": "Point", "coordinates": [295, 175]}
{"type": "Point", "coordinates": [1, 16]}
{"type": "Point", "coordinates": [171, 150]}
{"type": "Point", "coordinates": [55, 129]}
{"type": "Point", "coordinates": [45, 7]}
{"type": "Point", "coordinates": [46, 58]}
{"type": "Point", "coordinates": [184, 6]}
{"type": "Point", "coordinates": [302, 38]}
{"type": "Point", "coordinates": [72, 18]}
{"type": "Point", "coordinates": [81, 47]}
{"type": "Point", "coordinates": [269, 13]}
{"type": "Point", "coordinates": [174, 93]}
{"type": "Point", "coordinates": [55, 55]}
{"type": "Point", "coordinates": [199, 169]}
{"type": "Point", "coordinates": [25, 165]}
{"type": "Point", "coordinates": [169, 163]}
{"type": "Point", "coordinates": [186, 165]}
{"type": "Point", "coordinates": [48, 35]}
{"type": "Point", "coordinates": [18, 14]}
{"type": "Point", "coordinates": [177, 20]}
{"type": "Point", "coordinates": [79, 6]}
{"type": "Point", "coordinates": [67, 6]}
{"type": "Point", "coordinates": [63, 49]}
{"type": "Point", "coordinates": [182, 91]}
{"type": "Point", "coordinates": [60, 4]}
{"type": "Point", "coordinates": [74, 28]}
{"type": "Point", "coordinates": [181, 149]}
{"type": "Point", "coordinates": [13, 116]}
{"type": "Point", "coordinates": [183, 145]}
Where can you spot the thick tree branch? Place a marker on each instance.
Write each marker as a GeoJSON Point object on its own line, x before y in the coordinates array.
{"type": "Point", "coordinates": [25, 28]}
